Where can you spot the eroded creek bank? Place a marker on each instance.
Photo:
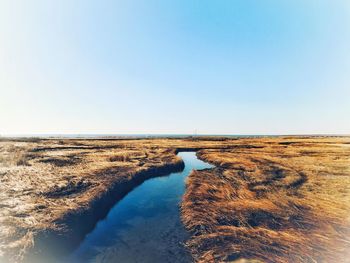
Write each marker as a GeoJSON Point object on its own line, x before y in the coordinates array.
{"type": "Point", "coordinates": [145, 225]}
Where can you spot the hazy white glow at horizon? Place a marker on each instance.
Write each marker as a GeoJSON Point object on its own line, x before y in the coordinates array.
{"type": "Point", "coordinates": [218, 67]}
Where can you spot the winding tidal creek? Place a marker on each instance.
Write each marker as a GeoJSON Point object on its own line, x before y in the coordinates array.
{"type": "Point", "coordinates": [144, 226]}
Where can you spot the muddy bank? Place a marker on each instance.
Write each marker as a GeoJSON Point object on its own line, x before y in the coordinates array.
{"type": "Point", "coordinates": [55, 244]}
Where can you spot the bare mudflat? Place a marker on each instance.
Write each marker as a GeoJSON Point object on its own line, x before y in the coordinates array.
{"type": "Point", "coordinates": [282, 199]}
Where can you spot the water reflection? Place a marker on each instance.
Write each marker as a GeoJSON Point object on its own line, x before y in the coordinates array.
{"type": "Point", "coordinates": [145, 225]}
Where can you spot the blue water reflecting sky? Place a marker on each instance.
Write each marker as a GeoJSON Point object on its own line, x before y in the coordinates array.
{"type": "Point", "coordinates": [136, 226]}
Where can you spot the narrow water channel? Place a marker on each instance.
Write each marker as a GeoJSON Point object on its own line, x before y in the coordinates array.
{"type": "Point", "coordinates": [145, 225]}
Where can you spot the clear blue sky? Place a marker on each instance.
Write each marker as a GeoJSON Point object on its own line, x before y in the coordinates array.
{"type": "Point", "coordinates": [222, 67]}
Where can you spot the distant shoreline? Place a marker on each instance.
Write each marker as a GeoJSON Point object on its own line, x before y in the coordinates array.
{"type": "Point", "coordinates": [157, 136]}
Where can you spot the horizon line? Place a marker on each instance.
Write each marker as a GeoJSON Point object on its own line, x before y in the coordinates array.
{"type": "Point", "coordinates": [96, 135]}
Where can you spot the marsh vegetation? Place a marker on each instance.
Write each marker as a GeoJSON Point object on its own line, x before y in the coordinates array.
{"type": "Point", "coordinates": [280, 199]}
{"type": "Point", "coordinates": [286, 200]}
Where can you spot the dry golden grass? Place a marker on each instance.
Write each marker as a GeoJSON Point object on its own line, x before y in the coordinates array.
{"type": "Point", "coordinates": [40, 182]}
{"type": "Point", "coordinates": [287, 200]}
{"type": "Point", "coordinates": [269, 199]}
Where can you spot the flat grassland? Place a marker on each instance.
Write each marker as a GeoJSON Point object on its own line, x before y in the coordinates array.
{"type": "Point", "coordinates": [278, 200]}
{"type": "Point", "coordinates": [51, 189]}
{"type": "Point", "coordinates": [273, 199]}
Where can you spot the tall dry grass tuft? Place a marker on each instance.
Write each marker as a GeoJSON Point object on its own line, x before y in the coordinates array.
{"type": "Point", "coordinates": [120, 158]}
{"type": "Point", "coordinates": [22, 159]}
{"type": "Point", "coordinates": [14, 155]}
